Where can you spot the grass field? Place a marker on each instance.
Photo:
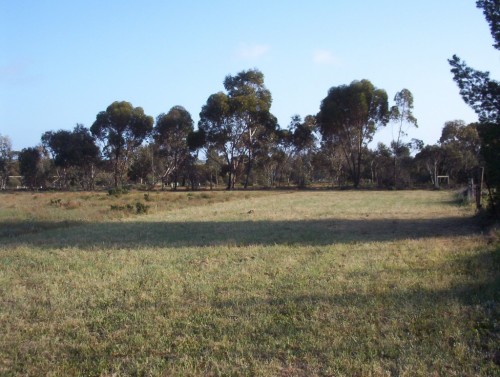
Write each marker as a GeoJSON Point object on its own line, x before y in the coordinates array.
{"type": "Point", "coordinates": [265, 283]}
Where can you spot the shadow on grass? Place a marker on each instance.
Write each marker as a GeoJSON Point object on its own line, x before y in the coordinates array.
{"type": "Point", "coordinates": [319, 232]}
{"type": "Point", "coordinates": [414, 316]}
{"type": "Point", "coordinates": [14, 229]}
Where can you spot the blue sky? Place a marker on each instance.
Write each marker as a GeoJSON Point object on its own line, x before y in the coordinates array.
{"type": "Point", "coordinates": [62, 62]}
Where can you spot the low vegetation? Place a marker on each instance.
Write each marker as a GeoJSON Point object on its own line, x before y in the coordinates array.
{"type": "Point", "coordinates": [247, 283]}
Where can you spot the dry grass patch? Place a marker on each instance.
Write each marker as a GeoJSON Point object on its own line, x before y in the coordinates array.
{"type": "Point", "coordinates": [303, 285]}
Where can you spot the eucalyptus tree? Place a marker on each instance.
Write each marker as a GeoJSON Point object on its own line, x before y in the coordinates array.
{"type": "Point", "coordinates": [5, 160]}
{"type": "Point", "coordinates": [402, 118]}
{"type": "Point", "coordinates": [350, 115]}
{"type": "Point", "coordinates": [223, 135]}
{"type": "Point", "coordinates": [75, 155]}
{"type": "Point", "coordinates": [304, 143]}
{"type": "Point", "coordinates": [236, 123]}
{"type": "Point", "coordinates": [171, 134]}
{"type": "Point", "coordinates": [121, 128]}
{"type": "Point", "coordinates": [31, 167]}
{"type": "Point", "coordinates": [430, 158]}
{"type": "Point", "coordinates": [142, 165]}
{"type": "Point", "coordinates": [482, 93]}
{"type": "Point", "coordinates": [195, 171]}
{"type": "Point", "coordinates": [461, 149]}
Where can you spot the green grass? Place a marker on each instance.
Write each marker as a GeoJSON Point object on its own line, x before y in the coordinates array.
{"type": "Point", "coordinates": [260, 283]}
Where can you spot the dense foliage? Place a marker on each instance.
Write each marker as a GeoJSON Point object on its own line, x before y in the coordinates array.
{"type": "Point", "coordinates": [483, 94]}
{"type": "Point", "coordinates": [238, 144]}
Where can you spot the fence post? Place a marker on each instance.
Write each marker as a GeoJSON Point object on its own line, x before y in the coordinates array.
{"type": "Point", "coordinates": [470, 189]}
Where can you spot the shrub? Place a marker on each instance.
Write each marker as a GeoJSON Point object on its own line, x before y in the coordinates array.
{"type": "Point", "coordinates": [55, 202]}
{"type": "Point", "coordinates": [128, 207]}
{"type": "Point", "coordinates": [118, 191]}
{"type": "Point", "coordinates": [141, 208]}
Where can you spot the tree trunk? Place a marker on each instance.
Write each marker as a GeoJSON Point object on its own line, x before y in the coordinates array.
{"type": "Point", "coordinates": [395, 174]}
{"type": "Point", "coordinates": [230, 179]}
{"type": "Point", "coordinates": [249, 170]}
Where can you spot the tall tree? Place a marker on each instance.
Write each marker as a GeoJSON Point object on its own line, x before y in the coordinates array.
{"type": "Point", "coordinates": [304, 146]}
{"type": "Point", "coordinates": [223, 135]}
{"type": "Point", "coordinates": [236, 123]}
{"type": "Point", "coordinates": [460, 144]}
{"type": "Point", "coordinates": [430, 159]}
{"type": "Point", "coordinates": [73, 150]}
{"type": "Point", "coordinates": [5, 160]}
{"type": "Point", "coordinates": [31, 167]}
{"type": "Point", "coordinates": [122, 128]}
{"type": "Point", "coordinates": [401, 115]}
{"type": "Point", "coordinates": [483, 95]}
{"type": "Point", "coordinates": [351, 115]}
{"type": "Point", "coordinates": [141, 168]}
{"type": "Point", "coordinates": [251, 105]}
{"type": "Point", "coordinates": [491, 10]}
{"type": "Point", "coordinates": [171, 135]}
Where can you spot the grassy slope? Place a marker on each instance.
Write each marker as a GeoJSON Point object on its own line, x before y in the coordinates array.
{"type": "Point", "coordinates": [301, 283]}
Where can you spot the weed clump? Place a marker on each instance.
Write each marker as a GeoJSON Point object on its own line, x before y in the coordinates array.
{"type": "Point", "coordinates": [127, 207]}
{"type": "Point", "coordinates": [118, 191]}
{"type": "Point", "coordinates": [141, 208]}
{"type": "Point", "coordinates": [56, 202]}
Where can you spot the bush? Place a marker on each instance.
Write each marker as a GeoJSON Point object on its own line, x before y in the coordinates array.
{"type": "Point", "coordinates": [56, 202]}
{"type": "Point", "coordinates": [141, 208]}
{"type": "Point", "coordinates": [118, 191]}
{"type": "Point", "coordinates": [128, 207]}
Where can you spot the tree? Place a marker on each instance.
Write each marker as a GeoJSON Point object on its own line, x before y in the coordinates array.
{"type": "Point", "coordinates": [304, 146]}
{"type": "Point", "coordinates": [483, 95]}
{"type": "Point", "coordinates": [31, 167]}
{"type": "Point", "coordinates": [250, 103]}
{"type": "Point", "coordinates": [195, 170]}
{"type": "Point", "coordinates": [75, 155]}
{"type": "Point", "coordinates": [491, 10]}
{"type": "Point", "coordinates": [430, 158]}
{"type": "Point", "coordinates": [402, 118]}
{"type": "Point", "coordinates": [381, 164]}
{"type": "Point", "coordinates": [141, 168]}
{"type": "Point", "coordinates": [5, 160]}
{"type": "Point", "coordinates": [238, 122]}
{"type": "Point", "coordinates": [171, 135]}
{"type": "Point", "coordinates": [223, 134]}
{"type": "Point", "coordinates": [122, 128]}
{"type": "Point", "coordinates": [351, 115]}
{"type": "Point", "coordinates": [460, 144]}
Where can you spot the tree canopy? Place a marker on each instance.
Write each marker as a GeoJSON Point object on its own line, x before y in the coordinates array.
{"type": "Point", "coordinates": [171, 134]}
{"type": "Point", "coordinates": [483, 95]}
{"type": "Point", "coordinates": [5, 160]}
{"type": "Point", "coordinates": [236, 122]}
{"type": "Point", "coordinates": [73, 149]}
{"type": "Point", "coordinates": [351, 114]}
{"type": "Point", "coordinates": [401, 116]}
{"type": "Point", "coordinates": [122, 128]}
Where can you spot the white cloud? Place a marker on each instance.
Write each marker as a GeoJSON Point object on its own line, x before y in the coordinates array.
{"type": "Point", "coordinates": [255, 51]}
{"type": "Point", "coordinates": [324, 57]}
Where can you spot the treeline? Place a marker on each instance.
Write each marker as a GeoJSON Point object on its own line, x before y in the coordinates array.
{"type": "Point", "coordinates": [238, 144]}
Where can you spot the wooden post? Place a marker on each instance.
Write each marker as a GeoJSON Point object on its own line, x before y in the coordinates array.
{"type": "Point", "coordinates": [470, 189]}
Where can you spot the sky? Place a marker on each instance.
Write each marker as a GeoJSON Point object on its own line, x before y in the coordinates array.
{"type": "Point", "coordinates": [62, 62]}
